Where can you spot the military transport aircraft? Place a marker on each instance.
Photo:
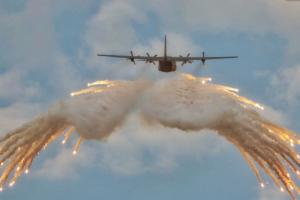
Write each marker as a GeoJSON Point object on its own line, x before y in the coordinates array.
{"type": "Point", "coordinates": [166, 63]}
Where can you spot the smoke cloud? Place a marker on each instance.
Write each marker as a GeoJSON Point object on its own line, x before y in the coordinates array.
{"type": "Point", "coordinates": [180, 101]}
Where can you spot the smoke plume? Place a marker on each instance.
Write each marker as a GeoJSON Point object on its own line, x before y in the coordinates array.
{"type": "Point", "coordinates": [182, 101]}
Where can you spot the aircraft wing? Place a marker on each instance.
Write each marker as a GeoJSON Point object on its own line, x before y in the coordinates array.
{"type": "Point", "coordinates": [132, 57]}
{"type": "Point", "coordinates": [181, 58]}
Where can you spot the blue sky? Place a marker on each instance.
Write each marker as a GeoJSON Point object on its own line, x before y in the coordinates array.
{"type": "Point", "coordinates": [48, 49]}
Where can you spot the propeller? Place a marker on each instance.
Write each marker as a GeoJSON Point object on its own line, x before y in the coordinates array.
{"type": "Point", "coordinates": [132, 57]}
{"type": "Point", "coordinates": [186, 60]}
{"type": "Point", "coordinates": [149, 60]}
{"type": "Point", "coordinates": [203, 59]}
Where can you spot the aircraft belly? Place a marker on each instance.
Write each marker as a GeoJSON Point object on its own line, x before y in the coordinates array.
{"type": "Point", "coordinates": [167, 66]}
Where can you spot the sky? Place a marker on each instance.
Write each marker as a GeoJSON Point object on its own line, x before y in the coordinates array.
{"type": "Point", "coordinates": [48, 48]}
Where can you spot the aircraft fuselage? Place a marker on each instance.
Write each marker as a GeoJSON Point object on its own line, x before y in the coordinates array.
{"type": "Point", "coordinates": [167, 66]}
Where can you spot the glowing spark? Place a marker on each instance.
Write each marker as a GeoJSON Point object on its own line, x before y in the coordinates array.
{"type": "Point", "coordinates": [1, 189]}
{"type": "Point", "coordinates": [270, 131]}
{"type": "Point", "coordinates": [262, 185]}
{"type": "Point", "coordinates": [11, 184]}
{"type": "Point", "coordinates": [281, 189]}
{"type": "Point", "coordinates": [259, 106]}
{"type": "Point", "coordinates": [27, 171]}
{"type": "Point", "coordinates": [292, 143]}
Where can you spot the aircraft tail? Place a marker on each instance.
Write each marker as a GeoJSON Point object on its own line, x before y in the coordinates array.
{"type": "Point", "coordinates": [165, 50]}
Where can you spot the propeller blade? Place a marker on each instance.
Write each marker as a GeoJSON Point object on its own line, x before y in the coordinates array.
{"type": "Point", "coordinates": [203, 58]}
{"type": "Point", "coordinates": [132, 57]}
{"type": "Point", "coordinates": [149, 58]}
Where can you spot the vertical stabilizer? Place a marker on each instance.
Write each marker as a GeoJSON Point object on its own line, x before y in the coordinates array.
{"type": "Point", "coordinates": [165, 51]}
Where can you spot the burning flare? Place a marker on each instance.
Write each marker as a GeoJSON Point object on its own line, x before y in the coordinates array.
{"type": "Point", "coordinates": [184, 102]}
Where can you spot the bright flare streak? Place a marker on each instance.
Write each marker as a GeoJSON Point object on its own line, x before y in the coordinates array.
{"type": "Point", "coordinates": [106, 83]}
{"type": "Point", "coordinates": [87, 91]}
{"type": "Point", "coordinates": [262, 185]}
{"type": "Point", "coordinates": [68, 134]}
{"type": "Point", "coordinates": [76, 147]}
{"type": "Point", "coordinates": [281, 189]}
{"type": "Point", "coordinates": [27, 171]}
{"type": "Point", "coordinates": [230, 89]}
{"type": "Point", "coordinates": [189, 76]}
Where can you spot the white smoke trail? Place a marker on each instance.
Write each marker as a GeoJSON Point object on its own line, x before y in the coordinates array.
{"type": "Point", "coordinates": [183, 102]}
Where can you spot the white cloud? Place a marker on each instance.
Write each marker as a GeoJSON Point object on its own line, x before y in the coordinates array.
{"type": "Point", "coordinates": [215, 16]}
{"type": "Point", "coordinates": [257, 16]}
{"type": "Point", "coordinates": [32, 49]}
{"type": "Point", "coordinates": [11, 87]}
{"type": "Point", "coordinates": [64, 165]}
{"type": "Point", "coordinates": [35, 65]}
{"type": "Point", "coordinates": [286, 84]}
{"type": "Point", "coordinates": [16, 114]}
{"type": "Point", "coordinates": [135, 149]}
{"type": "Point", "coordinates": [111, 28]}
{"type": "Point", "coordinates": [138, 148]}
